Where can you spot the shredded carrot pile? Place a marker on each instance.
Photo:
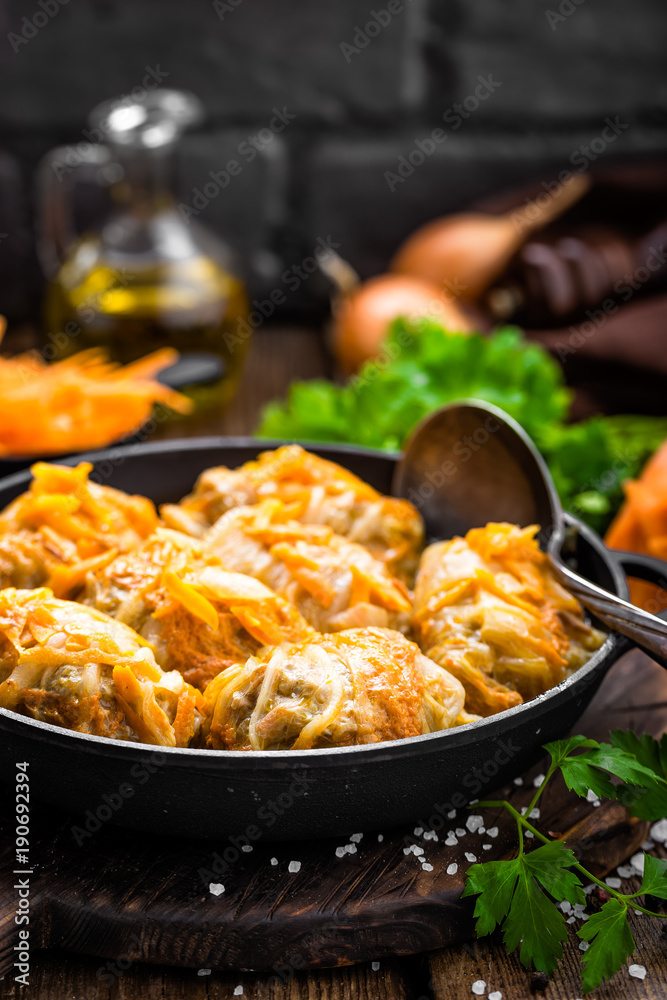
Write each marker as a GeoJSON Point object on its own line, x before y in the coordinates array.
{"type": "Point", "coordinates": [641, 526]}
{"type": "Point", "coordinates": [78, 404]}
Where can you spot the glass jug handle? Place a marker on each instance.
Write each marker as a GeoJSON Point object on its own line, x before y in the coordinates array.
{"type": "Point", "coordinates": [72, 198]}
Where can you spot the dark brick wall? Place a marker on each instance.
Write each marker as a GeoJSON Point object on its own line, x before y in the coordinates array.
{"type": "Point", "coordinates": [366, 83]}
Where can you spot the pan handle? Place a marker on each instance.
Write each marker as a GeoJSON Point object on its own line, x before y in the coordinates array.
{"type": "Point", "coordinates": [642, 567]}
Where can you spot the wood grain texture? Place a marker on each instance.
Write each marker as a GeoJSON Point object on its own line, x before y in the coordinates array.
{"type": "Point", "coordinates": [55, 977]}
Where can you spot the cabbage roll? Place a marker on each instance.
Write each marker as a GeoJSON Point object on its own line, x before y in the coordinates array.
{"type": "Point", "coordinates": [317, 492]}
{"type": "Point", "coordinates": [336, 584]}
{"type": "Point", "coordinates": [73, 666]}
{"type": "Point", "coordinates": [488, 608]}
{"type": "Point", "coordinates": [358, 686]}
{"type": "Point", "coordinates": [65, 525]}
{"type": "Point", "coordinates": [199, 618]}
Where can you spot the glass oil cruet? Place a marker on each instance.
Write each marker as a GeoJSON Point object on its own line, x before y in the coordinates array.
{"type": "Point", "coordinates": [128, 272]}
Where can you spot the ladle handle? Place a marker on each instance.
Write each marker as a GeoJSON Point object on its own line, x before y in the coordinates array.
{"type": "Point", "coordinates": [644, 629]}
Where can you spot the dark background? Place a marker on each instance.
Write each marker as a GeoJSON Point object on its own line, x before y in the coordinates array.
{"type": "Point", "coordinates": [560, 73]}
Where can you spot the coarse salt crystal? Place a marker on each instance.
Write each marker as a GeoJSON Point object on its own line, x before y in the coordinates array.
{"type": "Point", "coordinates": [659, 831]}
{"type": "Point", "coordinates": [486, 847]}
{"type": "Point", "coordinates": [451, 842]}
{"type": "Point", "coordinates": [418, 831]}
{"type": "Point", "coordinates": [430, 835]}
{"type": "Point", "coordinates": [613, 883]}
{"type": "Point", "coordinates": [204, 972]}
{"type": "Point", "coordinates": [452, 869]}
{"type": "Point", "coordinates": [492, 831]}
{"type": "Point", "coordinates": [274, 861]}
{"type": "Point", "coordinates": [471, 857]}
{"type": "Point", "coordinates": [478, 987]}
{"type": "Point", "coordinates": [570, 920]}
{"type": "Point", "coordinates": [356, 838]}
{"type": "Point", "coordinates": [584, 945]}
{"type": "Point", "coordinates": [648, 845]}
{"type": "Point", "coordinates": [216, 888]}
{"type": "Point", "coordinates": [538, 780]}
{"type": "Point", "coordinates": [474, 822]}
{"type": "Point", "coordinates": [294, 867]}
{"type": "Point", "coordinates": [451, 814]}
{"type": "Point", "coordinates": [246, 848]}
{"type": "Point", "coordinates": [592, 796]}
{"type": "Point", "coordinates": [626, 871]}
{"type": "Point", "coordinates": [380, 838]}
{"type": "Point", "coordinates": [238, 991]}
{"type": "Point", "coordinates": [349, 849]}
{"type": "Point", "coordinates": [427, 867]}
{"type": "Point", "coordinates": [637, 862]}
{"type": "Point", "coordinates": [566, 907]}
{"type": "Point", "coordinates": [460, 832]}
{"type": "Point", "coordinates": [518, 781]}
{"type": "Point", "coordinates": [529, 834]}
{"type": "Point", "coordinates": [341, 852]}
{"type": "Point", "coordinates": [496, 995]}
{"type": "Point", "coordinates": [534, 813]}
{"type": "Point", "coordinates": [375, 966]}
{"type": "Point", "coordinates": [417, 850]}
{"type": "Point", "coordinates": [638, 971]}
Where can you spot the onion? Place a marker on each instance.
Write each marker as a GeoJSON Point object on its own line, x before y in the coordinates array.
{"type": "Point", "coordinates": [465, 253]}
{"type": "Point", "coordinates": [362, 316]}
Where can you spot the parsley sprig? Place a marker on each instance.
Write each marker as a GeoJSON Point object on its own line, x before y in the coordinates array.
{"type": "Point", "coordinates": [522, 896]}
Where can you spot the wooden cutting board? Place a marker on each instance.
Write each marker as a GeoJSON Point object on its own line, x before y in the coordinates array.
{"type": "Point", "coordinates": [128, 898]}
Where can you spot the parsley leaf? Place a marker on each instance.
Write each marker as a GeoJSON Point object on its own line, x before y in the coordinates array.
{"type": "Point", "coordinates": [654, 882]}
{"type": "Point", "coordinates": [520, 896]}
{"type": "Point", "coordinates": [651, 802]}
{"type": "Point", "coordinates": [550, 864]}
{"type": "Point", "coordinates": [511, 893]}
{"type": "Point", "coordinates": [536, 925]}
{"type": "Point", "coordinates": [611, 942]}
{"type": "Point", "coordinates": [586, 770]}
{"type": "Point", "coordinates": [495, 883]}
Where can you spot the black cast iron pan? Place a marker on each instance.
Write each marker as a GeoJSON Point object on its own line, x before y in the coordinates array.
{"type": "Point", "coordinates": [286, 795]}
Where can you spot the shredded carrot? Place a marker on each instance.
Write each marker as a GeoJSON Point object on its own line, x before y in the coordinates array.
{"type": "Point", "coordinates": [84, 402]}
{"type": "Point", "coordinates": [190, 598]}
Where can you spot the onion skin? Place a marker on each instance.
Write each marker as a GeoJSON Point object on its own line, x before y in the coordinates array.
{"type": "Point", "coordinates": [362, 317]}
{"type": "Point", "coordinates": [462, 253]}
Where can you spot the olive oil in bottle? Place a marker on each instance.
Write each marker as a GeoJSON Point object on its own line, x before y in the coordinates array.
{"type": "Point", "coordinates": [148, 278]}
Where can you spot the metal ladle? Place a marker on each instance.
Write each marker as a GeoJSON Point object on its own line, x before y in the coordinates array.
{"type": "Point", "coordinates": [468, 464]}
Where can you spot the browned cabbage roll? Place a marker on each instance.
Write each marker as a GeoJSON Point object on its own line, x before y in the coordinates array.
{"type": "Point", "coordinates": [358, 686]}
{"type": "Point", "coordinates": [199, 618]}
{"type": "Point", "coordinates": [317, 492]}
{"type": "Point", "coordinates": [335, 584]}
{"type": "Point", "coordinates": [488, 608]}
{"type": "Point", "coordinates": [73, 666]}
{"type": "Point", "coordinates": [65, 525]}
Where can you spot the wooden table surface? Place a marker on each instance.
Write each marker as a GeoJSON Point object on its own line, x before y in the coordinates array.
{"type": "Point", "coordinates": [633, 695]}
